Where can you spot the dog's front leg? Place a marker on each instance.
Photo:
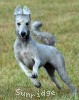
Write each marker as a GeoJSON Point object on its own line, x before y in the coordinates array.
{"type": "Point", "coordinates": [25, 69]}
{"type": "Point", "coordinates": [27, 73]}
{"type": "Point", "coordinates": [35, 82]}
{"type": "Point", "coordinates": [35, 68]}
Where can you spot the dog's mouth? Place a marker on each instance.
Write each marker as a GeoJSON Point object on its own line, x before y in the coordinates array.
{"type": "Point", "coordinates": [24, 37]}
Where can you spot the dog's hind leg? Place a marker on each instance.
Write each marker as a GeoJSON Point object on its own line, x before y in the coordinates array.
{"type": "Point", "coordinates": [63, 75]}
{"type": "Point", "coordinates": [59, 64]}
{"type": "Point", "coordinates": [50, 70]}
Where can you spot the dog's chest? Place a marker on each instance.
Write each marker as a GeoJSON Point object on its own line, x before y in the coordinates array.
{"type": "Point", "coordinates": [26, 56]}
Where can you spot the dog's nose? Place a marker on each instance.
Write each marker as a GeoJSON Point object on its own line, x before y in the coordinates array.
{"type": "Point", "coordinates": [23, 34]}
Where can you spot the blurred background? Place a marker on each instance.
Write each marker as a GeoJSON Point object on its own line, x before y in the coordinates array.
{"type": "Point", "coordinates": [59, 17]}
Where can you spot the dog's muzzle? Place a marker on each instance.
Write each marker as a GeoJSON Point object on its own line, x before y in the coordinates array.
{"type": "Point", "coordinates": [23, 34]}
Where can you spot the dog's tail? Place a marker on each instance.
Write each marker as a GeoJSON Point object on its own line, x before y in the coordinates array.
{"type": "Point", "coordinates": [36, 26]}
{"type": "Point", "coordinates": [44, 37]}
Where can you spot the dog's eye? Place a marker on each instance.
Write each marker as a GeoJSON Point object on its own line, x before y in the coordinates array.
{"type": "Point", "coordinates": [18, 24]}
{"type": "Point", "coordinates": [27, 24]}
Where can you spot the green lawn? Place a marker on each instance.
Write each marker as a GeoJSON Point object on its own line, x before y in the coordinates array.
{"type": "Point", "coordinates": [60, 17]}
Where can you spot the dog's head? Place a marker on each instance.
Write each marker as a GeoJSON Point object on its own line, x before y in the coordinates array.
{"type": "Point", "coordinates": [22, 21]}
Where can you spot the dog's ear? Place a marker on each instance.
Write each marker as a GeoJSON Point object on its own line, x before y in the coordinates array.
{"type": "Point", "coordinates": [18, 10]}
{"type": "Point", "coordinates": [26, 10]}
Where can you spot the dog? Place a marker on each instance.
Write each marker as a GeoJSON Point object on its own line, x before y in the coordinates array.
{"type": "Point", "coordinates": [32, 55]}
{"type": "Point", "coordinates": [45, 37]}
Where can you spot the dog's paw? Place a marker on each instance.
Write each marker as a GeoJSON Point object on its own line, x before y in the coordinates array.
{"type": "Point", "coordinates": [59, 87]}
{"type": "Point", "coordinates": [34, 75]}
{"type": "Point", "coordinates": [38, 85]}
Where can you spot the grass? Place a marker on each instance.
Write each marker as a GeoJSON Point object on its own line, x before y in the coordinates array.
{"type": "Point", "coordinates": [60, 17]}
